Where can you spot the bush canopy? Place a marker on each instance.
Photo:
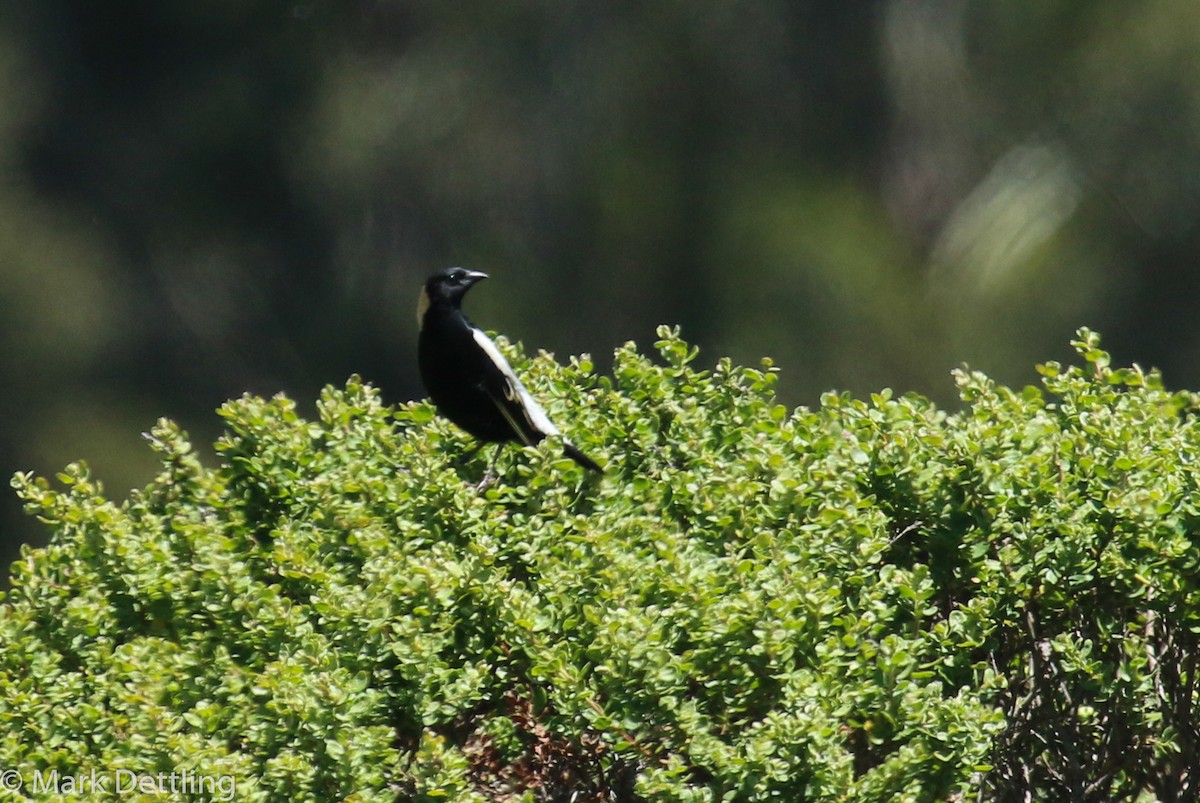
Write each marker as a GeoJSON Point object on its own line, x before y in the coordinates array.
{"type": "Point", "coordinates": [873, 600]}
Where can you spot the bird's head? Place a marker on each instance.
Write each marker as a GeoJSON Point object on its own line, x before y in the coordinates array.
{"type": "Point", "coordinates": [446, 287]}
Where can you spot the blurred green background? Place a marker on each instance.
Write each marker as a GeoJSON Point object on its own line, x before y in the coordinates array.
{"type": "Point", "coordinates": [203, 199]}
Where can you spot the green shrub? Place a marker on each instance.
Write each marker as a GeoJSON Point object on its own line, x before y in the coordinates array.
{"type": "Point", "coordinates": [872, 600]}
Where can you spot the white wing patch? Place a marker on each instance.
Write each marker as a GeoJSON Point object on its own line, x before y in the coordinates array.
{"type": "Point", "coordinates": [515, 391]}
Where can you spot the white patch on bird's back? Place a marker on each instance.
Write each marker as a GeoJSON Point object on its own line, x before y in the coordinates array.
{"type": "Point", "coordinates": [534, 414]}
{"type": "Point", "coordinates": [422, 306]}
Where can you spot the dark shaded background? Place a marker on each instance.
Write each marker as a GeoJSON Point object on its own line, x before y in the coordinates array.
{"type": "Point", "coordinates": [203, 199]}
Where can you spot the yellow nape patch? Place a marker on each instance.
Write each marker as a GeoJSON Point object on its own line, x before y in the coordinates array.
{"type": "Point", "coordinates": [422, 305]}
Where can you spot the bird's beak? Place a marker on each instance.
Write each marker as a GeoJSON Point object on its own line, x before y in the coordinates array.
{"type": "Point", "coordinates": [475, 276]}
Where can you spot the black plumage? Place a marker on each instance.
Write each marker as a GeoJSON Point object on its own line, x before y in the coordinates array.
{"type": "Point", "coordinates": [467, 377]}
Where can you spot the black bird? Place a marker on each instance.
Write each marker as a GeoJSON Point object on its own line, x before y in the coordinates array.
{"type": "Point", "coordinates": [468, 378]}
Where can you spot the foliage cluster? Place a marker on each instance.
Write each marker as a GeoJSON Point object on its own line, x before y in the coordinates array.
{"type": "Point", "coordinates": [870, 600]}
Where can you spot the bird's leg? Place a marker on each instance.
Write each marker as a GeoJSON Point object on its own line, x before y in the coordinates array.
{"type": "Point", "coordinates": [490, 475]}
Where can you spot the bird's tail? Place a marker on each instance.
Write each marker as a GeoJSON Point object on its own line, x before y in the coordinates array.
{"type": "Point", "coordinates": [579, 457]}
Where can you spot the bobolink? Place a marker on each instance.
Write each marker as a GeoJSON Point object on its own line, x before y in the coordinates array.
{"type": "Point", "coordinates": [468, 378]}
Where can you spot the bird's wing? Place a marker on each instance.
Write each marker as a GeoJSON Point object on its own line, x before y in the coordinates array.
{"type": "Point", "coordinates": [523, 413]}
